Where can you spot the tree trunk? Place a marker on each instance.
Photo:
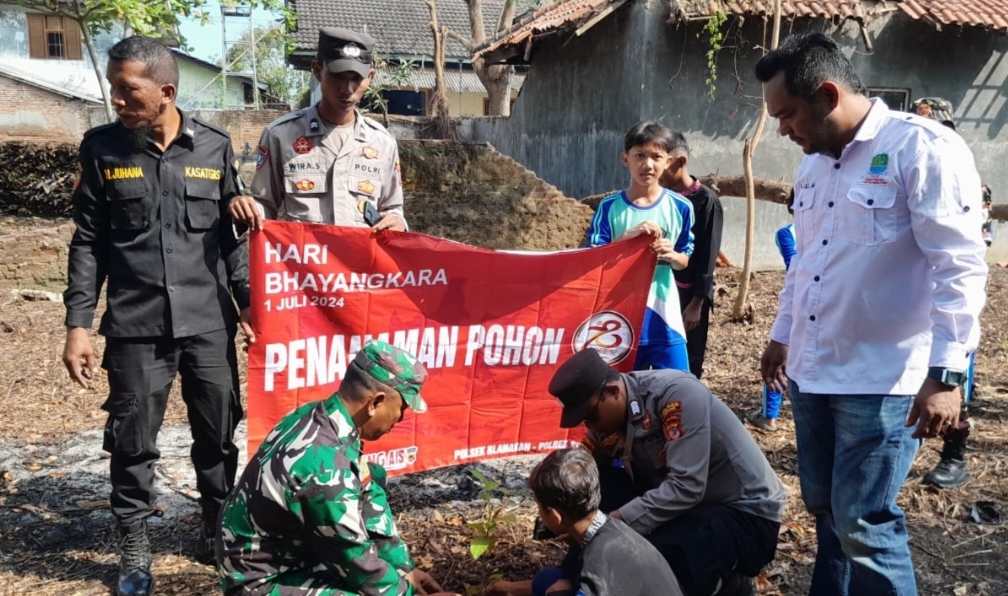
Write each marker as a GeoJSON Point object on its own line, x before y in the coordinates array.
{"type": "Point", "coordinates": [496, 78]}
{"type": "Point", "coordinates": [445, 126]}
{"type": "Point", "coordinates": [738, 311]}
{"type": "Point", "coordinates": [774, 191]}
{"type": "Point", "coordinates": [89, 44]}
{"type": "Point", "coordinates": [497, 83]}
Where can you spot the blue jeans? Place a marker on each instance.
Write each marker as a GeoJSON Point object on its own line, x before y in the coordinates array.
{"type": "Point", "coordinates": [854, 453]}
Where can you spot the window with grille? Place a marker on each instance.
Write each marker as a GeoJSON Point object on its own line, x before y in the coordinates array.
{"type": "Point", "coordinates": [52, 37]}
{"type": "Point", "coordinates": [894, 98]}
{"type": "Point", "coordinates": [486, 105]}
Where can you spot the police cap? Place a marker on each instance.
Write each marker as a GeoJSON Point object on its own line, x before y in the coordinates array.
{"type": "Point", "coordinates": [575, 382]}
{"type": "Point", "coordinates": [342, 50]}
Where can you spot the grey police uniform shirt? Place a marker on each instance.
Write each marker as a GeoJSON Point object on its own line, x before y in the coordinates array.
{"type": "Point", "coordinates": [690, 448]}
{"type": "Point", "coordinates": [304, 173]}
{"type": "Point", "coordinates": [616, 561]}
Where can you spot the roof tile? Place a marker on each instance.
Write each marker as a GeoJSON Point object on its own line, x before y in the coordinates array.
{"type": "Point", "coordinates": [828, 9]}
{"type": "Point", "coordinates": [989, 14]}
{"type": "Point", "coordinates": [549, 16]}
{"type": "Point", "coordinates": [402, 27]}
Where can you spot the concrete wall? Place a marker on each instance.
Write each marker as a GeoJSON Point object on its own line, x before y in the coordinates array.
{"type": "Point", "coordinates": [468, 105]}
{"type": "Point", "coordinates": [200, 90]}
{"type": "Point", "coordinates": [28, 113]}
{"type": "Point", "coordinates": [35, 115]}
{"type": "Point", "coordinates": [244, 126]}
{"type": "Point", "coordinates": [580, 98]}
{"type": "Point", "coordinates": [77, 75]}
{"type": "Point", "coordinates": [35, 256]}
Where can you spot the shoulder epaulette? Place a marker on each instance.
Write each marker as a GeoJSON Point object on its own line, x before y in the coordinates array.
{"type": "Point", "coordinates": [372, 123]}
{"type": "Point", "coordinates": [212, 127]}
{"type": "Point", "coordinates": [289, 116]}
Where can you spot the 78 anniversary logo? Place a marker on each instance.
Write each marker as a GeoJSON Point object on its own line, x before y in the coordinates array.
{"type": "Point", "coordinates": [607, 332]}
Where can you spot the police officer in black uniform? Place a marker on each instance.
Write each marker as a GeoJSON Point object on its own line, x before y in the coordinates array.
{"type": "Point", "coordinates": [150, 206]}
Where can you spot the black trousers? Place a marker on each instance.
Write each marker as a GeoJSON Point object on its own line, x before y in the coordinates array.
{"type": "Point", "coordinates": [696, 338]}
{"type": "Point", "coordinates": [705, 544]}
{"type": "Point", "coordinates": [141, 372]}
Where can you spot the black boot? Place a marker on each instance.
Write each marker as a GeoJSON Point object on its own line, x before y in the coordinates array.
{"type": "Point", "coordinates": [207, 534]}
{"type": "Point", "coordinates": [205, 544]}
{"type": "Point", "coordinates": [952, 471]}
{"type": "Point", "coordinates": [135, 561]}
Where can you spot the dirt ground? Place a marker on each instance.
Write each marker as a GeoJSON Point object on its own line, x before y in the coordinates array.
{"type": "Point", "coordinates": [57, 537]}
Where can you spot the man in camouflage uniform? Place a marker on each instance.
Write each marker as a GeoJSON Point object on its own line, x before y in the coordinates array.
{"type": "Point", "coordinates": [308, 516]}
{"type": "Point", "coordinates": [323, 163]}
{"type": "Point", "coordinates": [953, 470]}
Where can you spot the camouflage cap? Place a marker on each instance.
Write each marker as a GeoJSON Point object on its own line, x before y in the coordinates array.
{"type": "Point", "coordinates": [935, 108]}
{"type": "Point", "coordinates": [396, 368]}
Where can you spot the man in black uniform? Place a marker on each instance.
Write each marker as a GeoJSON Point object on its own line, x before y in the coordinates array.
{"type": "Point", "coordinates": [151, 212]}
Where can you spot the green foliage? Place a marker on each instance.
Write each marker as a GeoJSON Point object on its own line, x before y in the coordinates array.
{"type": "Point", "coordinates": [714, 30]}
{"type": "Point", "coordinates": [486, 532]}
{"type": "Point", "coordinates": [392, 75]}
{"type": "Point", "coordinates": [155, 18]}
{"type": "Point", "coordinates": [271, 46]}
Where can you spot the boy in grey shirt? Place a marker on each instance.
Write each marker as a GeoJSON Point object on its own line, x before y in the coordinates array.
{"type": "Point", "coordinates": [606, 556]}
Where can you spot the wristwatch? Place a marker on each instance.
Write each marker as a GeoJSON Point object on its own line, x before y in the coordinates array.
{"type": "Point", "coordinates": [947, 376]}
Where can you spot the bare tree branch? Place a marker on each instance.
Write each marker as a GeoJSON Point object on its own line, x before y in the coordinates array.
{"type": "Point", "coordinates": [457, 36]}
{"type": "Point", "coordinates": [496, 78]}
{"type": "Point", "coordinates": [738, 310]}
{"type": "Point", "coordinates": [506, 16]}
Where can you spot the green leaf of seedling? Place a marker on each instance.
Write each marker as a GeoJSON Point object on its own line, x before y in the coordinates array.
{"type": "Point", "coordinates": [478, 526]}
{"type": "Point", "coordinates": [473, 590]}
{"type": "Point", "coordinates": [479, 476]}
{"type": "Point", "coordinates": [480, 545]}
{"type": "Point", "coordinates": [496, 577]}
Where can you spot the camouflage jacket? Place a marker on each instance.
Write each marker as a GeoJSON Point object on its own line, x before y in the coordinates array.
{"type": "Point", "coordinates": [306, 518]}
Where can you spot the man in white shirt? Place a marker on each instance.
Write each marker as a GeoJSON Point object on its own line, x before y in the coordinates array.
{"type": "Point", "coordinates": [880, 307]}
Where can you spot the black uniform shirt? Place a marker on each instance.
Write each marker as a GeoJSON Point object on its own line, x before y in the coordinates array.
{"type": "Point", "coordinates": [156, 226]}
{"type": "Point", "coordinates": [708, 221]}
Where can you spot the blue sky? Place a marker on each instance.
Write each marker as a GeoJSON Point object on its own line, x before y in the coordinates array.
{"type": "Point", "coordinates": [205, 41]}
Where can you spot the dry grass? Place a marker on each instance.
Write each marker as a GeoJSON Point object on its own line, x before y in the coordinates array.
{"type": "Point", "coordinates": [53, 543]}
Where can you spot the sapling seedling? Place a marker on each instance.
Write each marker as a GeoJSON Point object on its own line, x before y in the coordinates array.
{"type": "Point", "coordinates": [485, 532]}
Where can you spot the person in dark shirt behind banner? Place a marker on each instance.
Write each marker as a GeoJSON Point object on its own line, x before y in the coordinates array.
{"type": "Point", "coordinates": [150, 207]}
{"type": "Point", "coordinates": [695, 283]}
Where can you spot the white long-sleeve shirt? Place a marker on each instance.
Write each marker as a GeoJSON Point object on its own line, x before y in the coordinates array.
{"type": "Point", "coordinates": [890, 273]}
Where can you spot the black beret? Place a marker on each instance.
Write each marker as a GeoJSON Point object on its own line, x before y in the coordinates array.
{"type": "Point", "coordinates": [575, 382]}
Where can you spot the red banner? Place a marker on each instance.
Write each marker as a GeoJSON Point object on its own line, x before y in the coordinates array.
{"type": "Point", "coordinates": [491, 328]}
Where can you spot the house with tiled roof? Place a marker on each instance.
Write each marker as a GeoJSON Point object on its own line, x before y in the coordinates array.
{"type": "Point", "coordinates": [596, 67]}
{"type": "Point", "coordinates": [403, 34]}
